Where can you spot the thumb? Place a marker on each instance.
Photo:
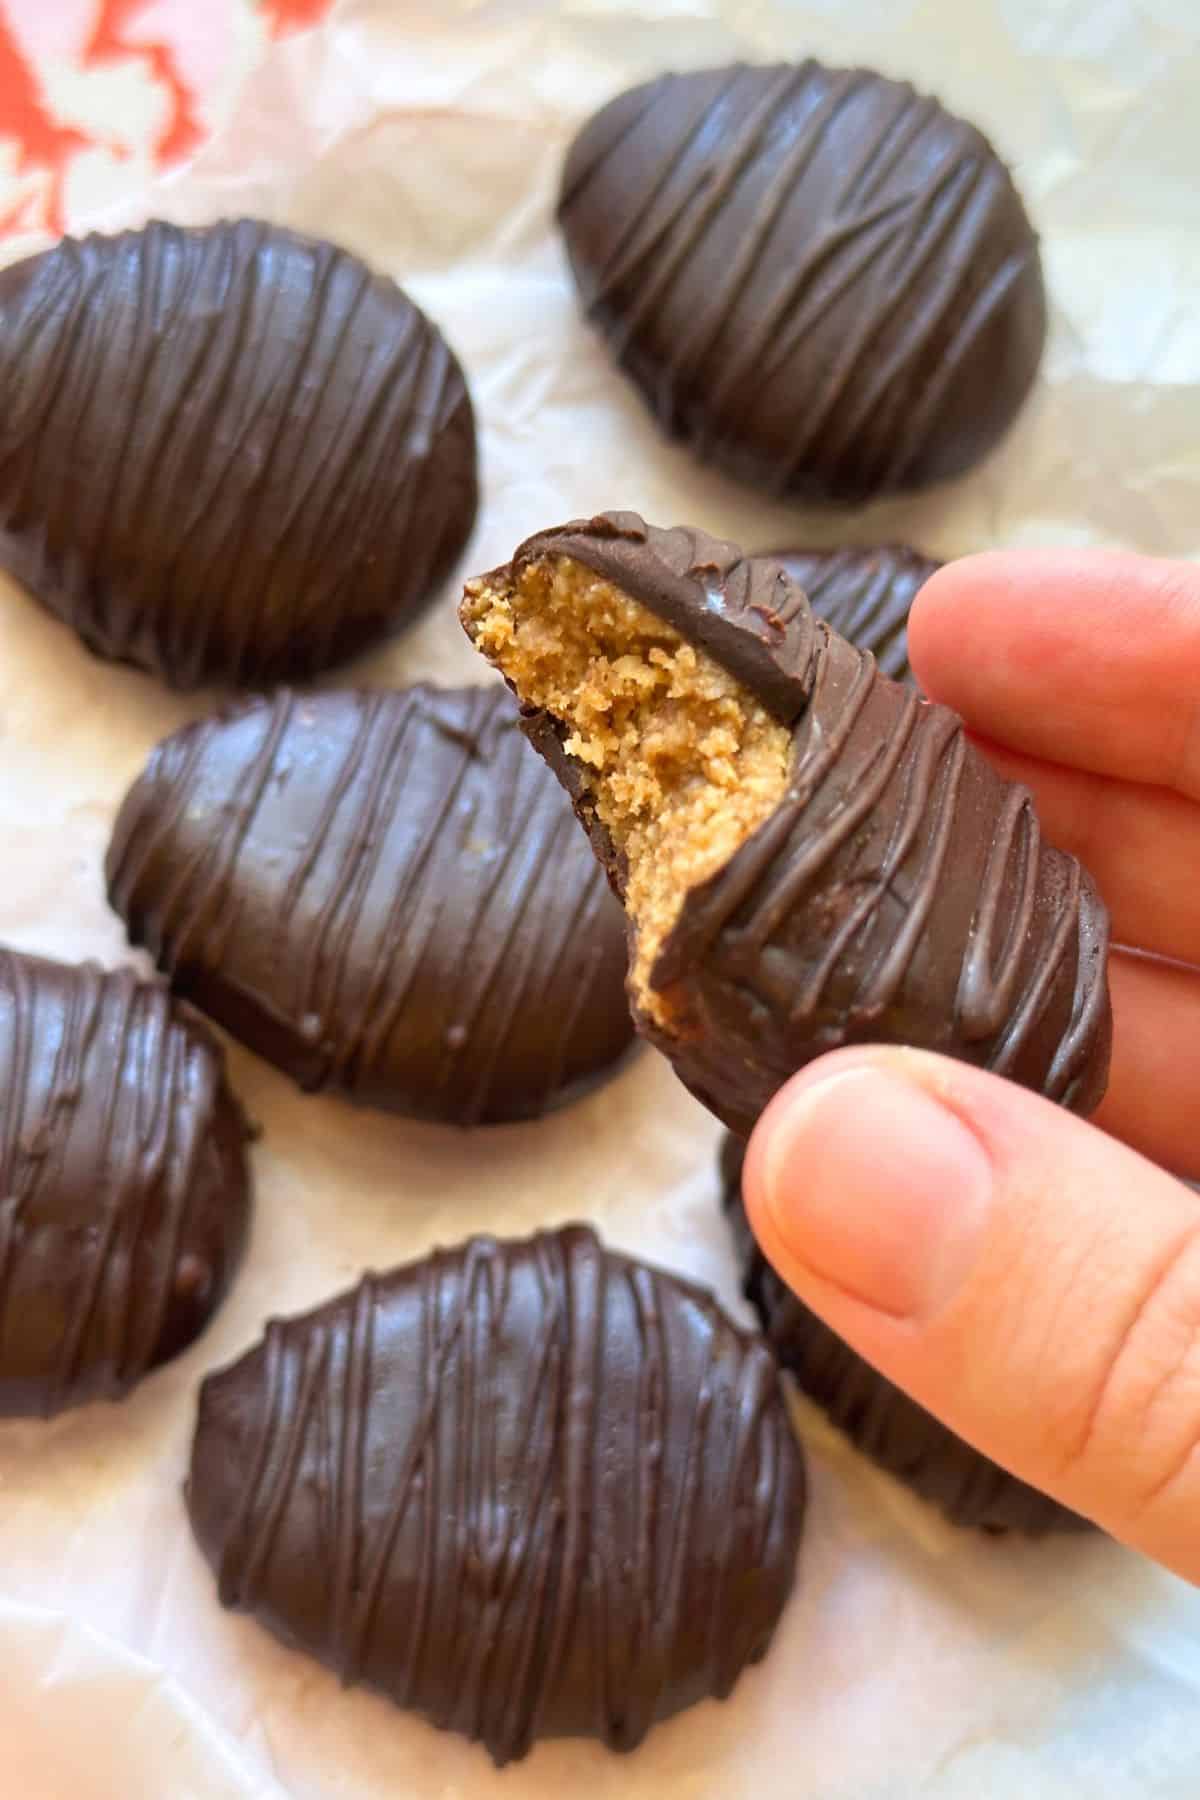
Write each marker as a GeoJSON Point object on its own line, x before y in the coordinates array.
{"type": "Point", "coordinates": [1032, 1282]}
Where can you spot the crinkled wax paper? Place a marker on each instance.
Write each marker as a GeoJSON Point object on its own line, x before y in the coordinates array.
{"type": "Point", "coordinates": [914, 1660]}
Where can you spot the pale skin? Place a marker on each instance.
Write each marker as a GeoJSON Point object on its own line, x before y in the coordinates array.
{"type": "Point", "coordinates": [1033, 1279]}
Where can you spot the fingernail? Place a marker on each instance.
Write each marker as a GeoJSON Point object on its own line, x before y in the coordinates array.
{"type": "Point", "coordinates": [873, 1184]}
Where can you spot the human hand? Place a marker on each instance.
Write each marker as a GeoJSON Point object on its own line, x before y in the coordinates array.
{"type": "Point", "coordinates": [1032, 1279]}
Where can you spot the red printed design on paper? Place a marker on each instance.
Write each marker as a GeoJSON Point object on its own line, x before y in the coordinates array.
{"type": "Point", "coordinates": [96, 96]}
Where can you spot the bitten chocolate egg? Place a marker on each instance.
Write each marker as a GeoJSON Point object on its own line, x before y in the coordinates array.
{"type": "Point", "coordinates": [818, 278]}
{"type": "Point", "coordinates": [123, 1184]}
{"type": "Point", "coordinates": [528, 1489]}
{"type": "Point", "coordinates": [809, 854]}
{"type": "Point", "coordinates": [227, 454]}
{"type": "Point", "coordinates": [384, 894]}
{"type": "Point", "coordinates": [866, 595]}
{"type": "Point", "coordinates": [877, 1417]}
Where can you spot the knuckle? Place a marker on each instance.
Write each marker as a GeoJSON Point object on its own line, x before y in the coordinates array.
{"type": "Point", "coordinates": [1140, 1425]}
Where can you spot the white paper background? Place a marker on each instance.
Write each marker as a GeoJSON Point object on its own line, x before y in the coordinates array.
{"type": "Point", "coordinates": [914, 1660]}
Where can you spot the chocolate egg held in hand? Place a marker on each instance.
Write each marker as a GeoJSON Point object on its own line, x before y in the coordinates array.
{"type": "Point", "coordinates": [230, 454]}
{"type": "Point", "coordinates": [384, 894]}
{"type": "Point", "coordinates": [876, 1416]}
{"type": "Point", "coordinates": [866, 595]}
{"type": "Point", "coordinates": [528, 1489]}
{"type": "Point", "coordinates": [123, 1184]}
{"type": "Point", "coordinates": [819, 279]}
{"type": "Point", "coordinates": [809, 854]}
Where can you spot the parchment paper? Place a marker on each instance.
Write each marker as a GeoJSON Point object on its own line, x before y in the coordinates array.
{"type": "Point", "coordinates": [914, 1660]}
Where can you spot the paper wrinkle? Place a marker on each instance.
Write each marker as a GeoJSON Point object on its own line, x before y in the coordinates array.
{"type": "Point", "coordinates": [915, 1661]}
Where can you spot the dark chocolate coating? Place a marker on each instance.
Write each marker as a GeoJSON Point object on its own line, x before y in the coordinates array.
{"type": "Point", "coordinates": [124, 1192]}
{"type": "Point", "coordinates": [528, 1489]}
{"type": "Point", "coordinates": [746, 612]}
{"type": "Point", "coordinates": [229, 454]}
{"type": "Point", "coordinates": [876, 1416]}
{"type": "Point", "coordinates": [899, 893]}
{"type": "Point", "coordinates": [383, 894]}
{"type": "Point", "coordinates": [819, 279]}
{"type": "Point", "coordinates": [866, 595]}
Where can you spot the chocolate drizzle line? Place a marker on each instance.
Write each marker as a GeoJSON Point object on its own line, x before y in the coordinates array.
{"type": "Point", "coordinates": [824, 246]}
{"type": "Point", "coordinates": [900, 891]}
{"type": "Point", "coordinates": [123, 1180]}
{"type": "Point", "coordinates": [228, 453]}
{"type": "Point", "coordinates": [844, 770]}
{"type": "Point", "coordinates": [383, 893]}
{"type": "Point", "coordinates": [528, 1489]}
{"type": "Point", "coordinates": [865, 595]}
{"type": "Point", "coordinates": [878, 1418]}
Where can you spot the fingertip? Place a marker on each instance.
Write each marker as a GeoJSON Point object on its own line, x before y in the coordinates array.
{"type": "Point", "coordinates": [775, 1157]}
{"type": "Point", "coordinates": [932, 615]}
{"type": "Point", "coordinates": [862, 1180]}
{"type": "Point", "coordinates": [769, 1142]}
{"type": "Point", "coordinates": [964, 621]}
{"type": "Point", "coordinates": [1083, 657]}
{"type": "Point", "coordinates": [1029, 1281]}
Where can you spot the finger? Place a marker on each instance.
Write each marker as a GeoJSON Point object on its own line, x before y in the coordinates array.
{"type": "Point", "coordinates": [1030, 1281]}
{"type": "Point", "coordinates": [1142, 844]}
{"type": "Point", "coordinates": [1152, 1089]}
{"type": "Point", "coordinates": [1083, 657]}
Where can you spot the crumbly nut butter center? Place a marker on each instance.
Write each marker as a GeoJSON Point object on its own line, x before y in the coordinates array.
{"type": "Point", "coordinates": [682, 763]}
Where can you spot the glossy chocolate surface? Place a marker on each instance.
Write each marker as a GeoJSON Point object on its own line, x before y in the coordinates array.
{"type": "Point", "coordinates": [384, 894]}
{"type": "Point", "coordinates": [866, 595]}
{"type": "Point", "coordinates": [227, 454]}
{"type": "Point", "coordinates": [818, 278]}
{"type": "Point", "coordinates": [124, 1190]}
{"type": "Point", "coordinates": [528, 1489]}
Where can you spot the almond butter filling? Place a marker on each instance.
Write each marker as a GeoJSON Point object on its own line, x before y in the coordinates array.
{"type": "Point", "coordinates": [682, 762]}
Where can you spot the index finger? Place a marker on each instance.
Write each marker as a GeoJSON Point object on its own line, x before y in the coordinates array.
{"type": "Point", "coordinates": [1089, 658]}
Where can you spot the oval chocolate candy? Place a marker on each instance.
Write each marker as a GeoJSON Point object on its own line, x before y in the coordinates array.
{"type": "Point", "coordinates": [877, 1417]}
{"type": "Point", "coordinates": [818, 278]}
{"type": "Point", "coordinates": [810, 855]}
{"type": "Point", "coordinates": [227, 454]}
{"type": "Point", "coordinates": [382, 893]}
{"type": "Point", "coordinates": [528, 1489]}
{"type": "Point", "coordinates": [123, 1184]}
